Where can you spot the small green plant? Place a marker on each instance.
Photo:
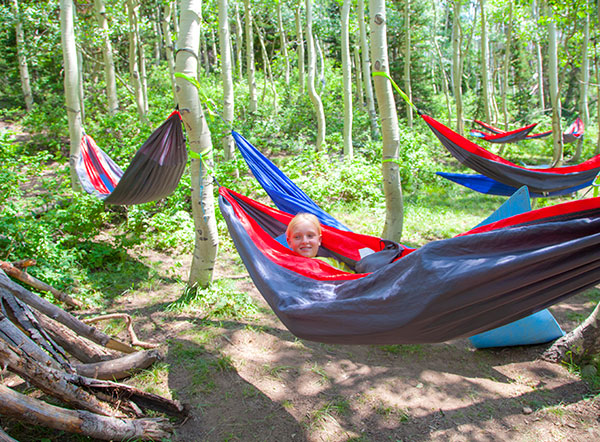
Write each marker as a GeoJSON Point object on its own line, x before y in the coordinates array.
{"type": "Point", "coordinates": [219, 301]}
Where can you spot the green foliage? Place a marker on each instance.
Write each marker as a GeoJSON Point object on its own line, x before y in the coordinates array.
{"type": "Point", "coordinates": [219, 301]}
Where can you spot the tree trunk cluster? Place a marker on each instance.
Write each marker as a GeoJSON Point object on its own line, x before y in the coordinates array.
{"type": "Point", "coordinates": [73, 362]}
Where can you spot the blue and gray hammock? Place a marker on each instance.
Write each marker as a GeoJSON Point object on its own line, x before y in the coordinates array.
{"type": "Point", "coordinates": [444, 290]}
{"type": "Point", "coordinates": [154, 171]}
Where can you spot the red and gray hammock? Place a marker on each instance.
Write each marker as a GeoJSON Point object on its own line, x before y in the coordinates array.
{"type": "Point", "coordinates": [539, 181]}
{"type": "Point", "coordinates": [494, 135]}
{"type": "Point", "coordinates": [490, 276]}
{"type": "Point", "coordinates": [154, 171]}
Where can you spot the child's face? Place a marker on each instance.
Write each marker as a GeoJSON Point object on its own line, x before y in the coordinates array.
{"type": "Point", "coordinates": [304, 239]}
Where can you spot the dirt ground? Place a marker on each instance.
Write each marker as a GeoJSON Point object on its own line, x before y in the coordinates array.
{"type": "Point", "coordinates": [271, 386]}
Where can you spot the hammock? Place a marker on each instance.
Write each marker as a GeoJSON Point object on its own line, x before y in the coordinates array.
{"type": "Point", "coordinates": [490, 276]}
{"type": "Point", "coordinates": [504, 137]}
{"type": "Point", "coordinates": [574, 132]}
{"type": "Point", "coordinates": [539, 181]}
{"type": "Point", "coordinates": [154, 171]}
{"type": "Point", "coordinates": [489, 186]}
{"type": "Point", "coordinates": [286, 195]}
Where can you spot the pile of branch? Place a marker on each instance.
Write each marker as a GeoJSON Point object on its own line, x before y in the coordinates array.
{"type": "Point", "coordinates": [72, 361]}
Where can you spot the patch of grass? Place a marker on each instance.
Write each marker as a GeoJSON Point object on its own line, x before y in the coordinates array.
{"type": "Point", "coordinates": [220, 301]}
{"type": "Point", "coordinates": [338, 406]}
{"type": "Point", "coordinates": [324, 378]}
{"type": "Point", "coordinates": [397, 349]}
{"type": "Point", "coordinates": [276, 371]}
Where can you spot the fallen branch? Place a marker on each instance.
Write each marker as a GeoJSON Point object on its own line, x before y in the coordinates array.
{"type": "Point", "coordinates": [25, 277]}
{"type": "Point", "coordinates": [5, 437]}
{"type": "Point", "coordinates": [132, 335]}
{"type": "Point", "coordinates": [118, 368]}
{"type": "Point", "coordinates": [62, 316]}
{"type": "Point", "coordinates": [77, 346]}
{"type": "Point", "coordinates": [35, 412]}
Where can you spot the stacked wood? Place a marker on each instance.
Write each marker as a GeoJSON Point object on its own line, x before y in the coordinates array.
{"type": "Point", "coordinates": [74, 362]}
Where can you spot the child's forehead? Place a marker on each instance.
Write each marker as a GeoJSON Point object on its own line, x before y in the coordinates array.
{"type": "Point", "coordinates": [304, 224]}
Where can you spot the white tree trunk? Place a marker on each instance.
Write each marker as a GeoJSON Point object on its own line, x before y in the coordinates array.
{"type": "Point", "coordinates": [347, 80]}
{"type": "Point", "coordinates": [389, 123]}
{"type": "Point", "coordinates": [360, 95]}
{"type": "Point", "coordinates": [312, 62]}
{"type": "Point", "coordinates": [283, 42]}
{"type": "Point", "coordinates": [440, 59]}
{"type": "Point", "coordinates": [540, 65]}
{"type": "Point", "coordinates": [300, 43]}
{"type": "Point", "coordinates": [250, 57]}
{"type": "Point", "coordinates": [107, 54]}
{"type": "Point", "coordinates": [456, 67]}
{"type": "Point", "coordinates": [585, 71]}
{"type": "Point", "coordinates": [485, 85]}
{"type": "Point", "coordinates": [506, 67]}
{"type": "Point", "coordinates": [134, 67]}
{"type": "Point", "coordinates": [22, 59]}
{"type": "Point", "coordinates": [71, 82]}
{"type": "Point", "coordinates": [226, 77]}
{"type": "Point", "coordinates": [407, 54]}
{"type": "Point", "coordinates": [557, 156]}
{"type": "Point", "coordinates": [166, 29]}
{"type": "Point", "coordinates": [239, 41]}
{"type": "Point", "coordinates": [199, 139]}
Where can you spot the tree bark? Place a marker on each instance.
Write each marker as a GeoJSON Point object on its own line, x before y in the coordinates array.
{"type": "Point", "coordinates": [506, 67]}
{"type": "Point", "coordinates": [61, 316]}
{"type": "Point", "coordinates": [300, 45]}
{"type": "Point", "coordinates": [199, 139]}
{"type": "Point", "coordinates": [312, 92]}
{"type": "Point", "coordinates": [283, 43]}
{"type": "Point", "coordinates": [35, 412]}
{"type": "Point", "coordinates": [584, 82]}
{"type": "Point", "coordinates": [407, 55]}
{"type": "Point", "coordinates": [134, 58]}
{"type": "Point", "coordinates": [250, 68]}
{"type": "Point", "coordinates": [22, 59]}
{"type": "Point", "coordinates": [239, 41]}
{"type": "Point", "coordinates": [389, 124]}
{"type": "Point", "coordinates": [25, 277]}
{"type": "Point", "coordinates": [71, 83]}
{"type": "Point", "coordinates": [557, 157]}
{"type": "Point", "coordinates": [579, 343]}
{"type": "Point", "coordinates": [107, 54]}
{"type": "Point", "coordinates": [456, 67]}
{"type": "Point", "coordinates": [347, 80]}
{"type": "Point", "coordinates": [76, 345]}
{"type": "Point", "coordinates": [166, 28]}
{"type": "Point", "coordinates": [485, 89]}
{"type": "Point", "coordinates": [226, 78]}
{"type": "Point", "coordinates": [118, 368]}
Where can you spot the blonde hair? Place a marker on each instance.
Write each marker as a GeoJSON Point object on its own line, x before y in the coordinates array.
{"type": "Point", "coordinates": [303, 216]}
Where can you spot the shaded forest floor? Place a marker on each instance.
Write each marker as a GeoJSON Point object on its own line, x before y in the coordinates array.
{"type": "Point", "coordinates": [251, 380]}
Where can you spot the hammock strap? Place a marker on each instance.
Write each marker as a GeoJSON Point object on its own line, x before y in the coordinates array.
{"type": "Point", "coordinates": [400, 91]}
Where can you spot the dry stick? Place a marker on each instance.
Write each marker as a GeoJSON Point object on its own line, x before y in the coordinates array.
{"type": "Point", "coordinates": [62, 316]}
{"type": "Point", "coordinates": [37, 284]}
{"type": "Point", "coordinates": [77, 346]}
{"type": "Point", "coordinates": [132, 335]}
{"type": "Point", "coordinates": [21, 315]}
{"type": "Point", "coordinates": [118, 368]}
{"type": "Point", "coordinates": [33, 411]}
{"type": "Point", "coordinates": [52, 381]}
{"type": "Point", "coordinates": [5, 437]}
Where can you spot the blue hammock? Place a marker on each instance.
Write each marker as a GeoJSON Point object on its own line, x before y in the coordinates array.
{"type": "Point", "coordinates": [489, 186]}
